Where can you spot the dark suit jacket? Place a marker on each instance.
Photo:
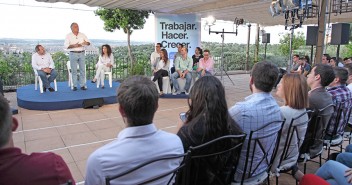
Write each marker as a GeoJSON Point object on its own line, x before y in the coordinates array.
{"type": "Point", "coordinates": [318, 99]}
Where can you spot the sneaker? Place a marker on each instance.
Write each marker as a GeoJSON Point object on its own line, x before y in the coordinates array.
{"type": "Point", "coordinates": [84, 88]}
{"type": "Point", "coordinates": [174, 93]}
{"type": "Point", "coordinates": [186, 92]}
{"type": "Point", "coordinates": [74, 89]}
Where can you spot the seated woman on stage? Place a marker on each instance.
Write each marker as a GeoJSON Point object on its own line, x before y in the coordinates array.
{"type": "Point", "coordinates": [208, 119]}
{"type": "Point", "coordinates": [162, 69]}
{"type": "Point", "coordinates": [293, 89]}
{"type": "Point", "coordinates": [198, 54]}
{"type": "Point", "coordinates": [105, 63]}
{"type": "Point", "coordinates": [205, 65]}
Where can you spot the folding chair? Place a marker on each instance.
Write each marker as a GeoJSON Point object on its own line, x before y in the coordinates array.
{"type": "Point", "coordinates": [37, 80]}
{"type": "Point", "coordinates": [336, 138]}
{"type": "Point", "coordinates": [264, 140]}
{"type": "Point", "coordinates": [172, 173]}
{"type": "Point", "coordinates": [319, 121]}
{"type": "Point", "coordinates": [217, 157]}
{"type": "Point", "coordinates": [295, 134]}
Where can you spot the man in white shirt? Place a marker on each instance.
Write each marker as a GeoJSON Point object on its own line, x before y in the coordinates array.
{"type": "Point", "coordinates": [75, 42]}
{"type": "Point", "coordinates": [155, 56]}
{"type": "Point", "coordinates": [44, 65]}
{"type": "Point", "coordinates": [139, 142]}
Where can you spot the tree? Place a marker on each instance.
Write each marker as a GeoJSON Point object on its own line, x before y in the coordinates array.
{"type": "Point", "coordinates": [297, 41]}
{"type": "Point", "coordinates": [127, 20]}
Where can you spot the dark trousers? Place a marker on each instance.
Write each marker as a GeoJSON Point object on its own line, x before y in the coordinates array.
{"type": "Point", "coordinates": [159, 76]}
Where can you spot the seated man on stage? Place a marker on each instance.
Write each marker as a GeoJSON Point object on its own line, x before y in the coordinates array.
{"type": "Point", "coordinates": [44, 65]}
{"type": "Point", "coordinates": [183, 67]}
{"type": "Point", "coordinates": [205, 65]}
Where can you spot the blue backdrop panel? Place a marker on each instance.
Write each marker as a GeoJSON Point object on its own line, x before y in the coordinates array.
{"type": "Point", "coordinates": [64, 97]}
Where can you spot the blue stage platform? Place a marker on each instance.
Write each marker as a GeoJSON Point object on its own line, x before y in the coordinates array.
{"type": "Point", "coordinates": [64, 97]}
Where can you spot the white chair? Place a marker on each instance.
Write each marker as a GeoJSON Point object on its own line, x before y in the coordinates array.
{"type": "Point", "coordinates": [70, 82]}
{"type": "Point", "coordinates": [166, 85]}
{"type": "Point", "coordinates": [37, 80]}
{"type": "Point", "coordinates": [109, 73]}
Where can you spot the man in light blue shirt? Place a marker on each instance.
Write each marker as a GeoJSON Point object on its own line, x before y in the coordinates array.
{"type": "Point", "coordinates": [257, 110]}
{"type": "Point", "coordinates": [139, 142]}
{"type": "Point", "coordinates": [183, 67]}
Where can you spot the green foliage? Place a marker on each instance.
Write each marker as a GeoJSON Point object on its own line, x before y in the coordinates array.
{"type": "Point", "coordinates": [127, 20]}
{"type": "Point", "coordinates": [297, 41]}
{"type": "Point", "coordinates": [348, 50]}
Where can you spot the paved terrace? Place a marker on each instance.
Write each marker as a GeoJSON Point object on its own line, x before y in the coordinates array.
{"type": "Point", "coordinates": [76, 133]}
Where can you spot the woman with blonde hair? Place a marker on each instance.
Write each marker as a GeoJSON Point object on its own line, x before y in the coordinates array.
{"type": "Point", "coordinates": [293, 89]}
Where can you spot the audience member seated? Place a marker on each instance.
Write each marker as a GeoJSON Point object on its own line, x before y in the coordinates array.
{"type": "Point", "coordinates": [346, 157]}
{"type": "Point", "coordinates": [333, 62]}
{"type": "Point", "coordinates": [295, 63]}
{"type": "Point", "coordinates": [335, 173]}
{"type": "Point", "coordinates": [162, 69]}
{"type": "Point", "coordinates": [340, 94]}
{"type": "Point", "coordinates": [320, 77]}
{"type": "Point", "coordinates": [183, 67]}
{"type": "Point", "coordinates": [44, 65]}
{"type": "Point", "coordinates": [347, 60]}
{"type": "Point", "coordinates": [304, 67]}
{"type": "Point", "coordinates": [138, 142]}
{"type": "Point", "coordinates": [17, 168]}
{"type": "Point", "coordinates": [349, 79]}
{"type": "Point", "coordinates": [325, 59]}
{"type": "Point", "coordinates": [257, 110]}
{"type": "Point", "coordinates": [105, 63]}
{"type": "Point", "coordinates": [208, 119]}
{"type": "Point", "coordinates": [206, 65]}
{"type": "Point", "coordinates": [293, 89]}
{"type": "Point", "coordinates": [155, 56]}
{"type": "Point", "coordinates": [198, 54]}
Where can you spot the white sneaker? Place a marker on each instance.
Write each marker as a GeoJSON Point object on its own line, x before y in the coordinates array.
{"type": "Point", "coordinates": [174, 93]}
{"type": "Point", "coordinates": [186, 93]}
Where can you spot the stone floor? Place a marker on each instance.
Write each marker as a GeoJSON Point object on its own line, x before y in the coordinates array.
{"type": "Point", "coordinates": [76, 133]}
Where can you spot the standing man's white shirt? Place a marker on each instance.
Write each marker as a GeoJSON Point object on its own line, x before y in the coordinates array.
{"type": "Point", "coordinates": [73, 39]}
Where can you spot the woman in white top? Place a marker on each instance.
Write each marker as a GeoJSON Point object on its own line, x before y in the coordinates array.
{"type": "Point", "coordinates": [105, 63]}
{"type": "Point", "coordinates": [161, 69]}
{"type": "Point", "coordinates": [293, 89]}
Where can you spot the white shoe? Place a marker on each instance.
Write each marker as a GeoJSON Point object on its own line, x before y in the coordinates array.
{"type": "Point", "coordinates": [174, 93]}
{"type": "Point", "coordinates": [187, 93]}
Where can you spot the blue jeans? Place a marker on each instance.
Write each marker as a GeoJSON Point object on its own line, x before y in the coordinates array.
{"type": "Point", "coordinates": [207, 73]}
{"type": "Point", "coordinates": [78, 58]}
{"type": "Point", "coordinates": [346, 157]}
{"type": "Point", "coordinates": [174, 77]}
{"type": "Point", "coordinates": [333, 172]}
{"type": "Point", "coordinates": [46, 81]}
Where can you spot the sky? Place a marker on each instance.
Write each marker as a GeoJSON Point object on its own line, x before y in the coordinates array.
{"type": "Point", "coordinates": [28, 19]}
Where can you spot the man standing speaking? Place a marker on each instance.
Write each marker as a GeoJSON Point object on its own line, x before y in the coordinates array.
{"type": "Point", "coordinates": [75, 43]}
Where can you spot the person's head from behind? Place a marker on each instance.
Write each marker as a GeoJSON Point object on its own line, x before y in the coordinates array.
{"type": "Point", "coordinates": [263, 76]}
{"type": "Point", "coordinates": [320, 76]}
{"type": "Point", "coordinates": [106, 49]}
{"type": "Point", "coordinates": [293, 89]}
{"type": "Point", "coordinates": [341, 77]}
{"type": "Point", "coordinates": [7, 124]}
{"type": "Point", "coordinates": [207, 102]}
{"type": "Point", "coordinates": [138, 100]}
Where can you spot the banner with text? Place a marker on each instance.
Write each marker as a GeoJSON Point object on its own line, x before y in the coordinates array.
{"type": "Point", "coordinates": [174, 29]}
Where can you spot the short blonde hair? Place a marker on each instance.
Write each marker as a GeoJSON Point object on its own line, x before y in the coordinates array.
{"type": "Point", "coordinates": [296, 91]}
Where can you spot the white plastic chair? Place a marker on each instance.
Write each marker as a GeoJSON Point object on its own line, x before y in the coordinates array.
{"type": "Point", "coordinates": [70, 82]}
{"type": "Point", "coordinates": [166, 85]}
{"type": "Point", "coordinates": [109, 73]}
{"type": "Point", "coordinates": [37, 80]}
